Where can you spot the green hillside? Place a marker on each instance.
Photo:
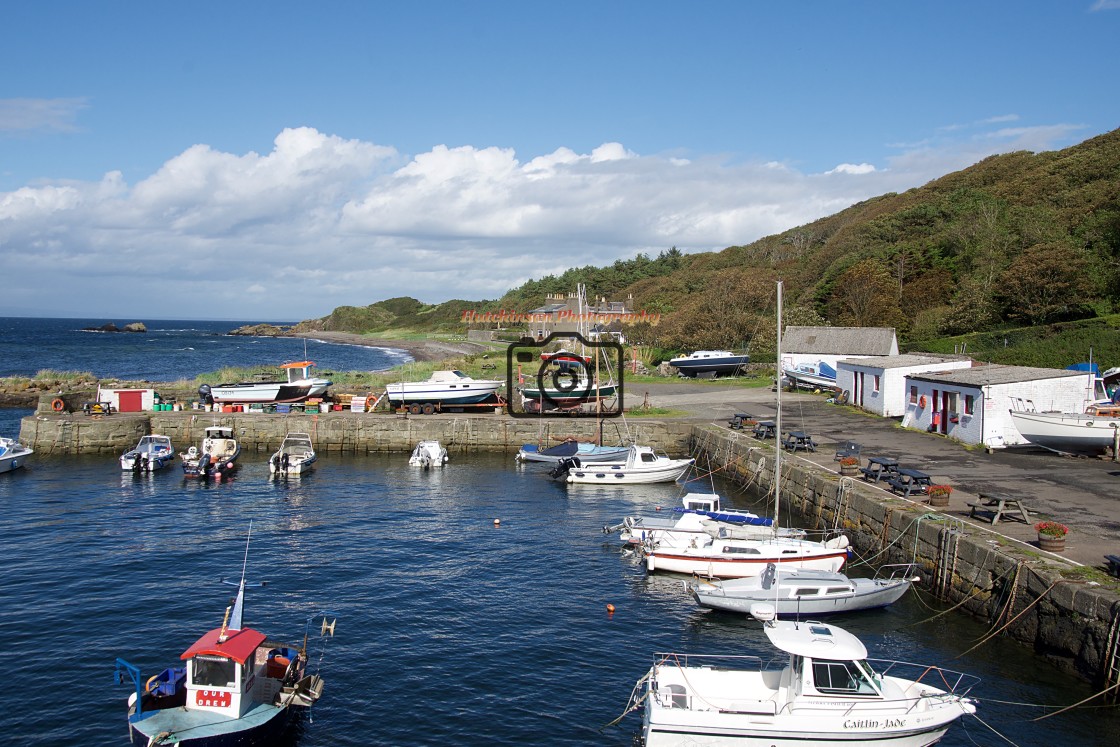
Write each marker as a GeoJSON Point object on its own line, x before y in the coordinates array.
{"type": "Point", "coordinates": [1017, 258]}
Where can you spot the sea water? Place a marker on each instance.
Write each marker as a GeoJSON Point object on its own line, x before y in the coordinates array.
{"type": "Point", "coordinates": [453, 628]}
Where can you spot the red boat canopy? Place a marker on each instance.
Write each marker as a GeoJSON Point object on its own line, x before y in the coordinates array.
{"type": "Point", "coordinates": [239, 645]}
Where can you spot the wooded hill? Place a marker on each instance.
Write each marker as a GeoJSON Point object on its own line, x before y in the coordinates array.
{"type": "Point", "coordinates": [1021, 249]}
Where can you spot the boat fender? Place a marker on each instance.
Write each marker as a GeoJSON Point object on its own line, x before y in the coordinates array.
{"type": "Point", "coordinates": [58, 405]}
{"type": "Point", "coordinates": [922, 402]}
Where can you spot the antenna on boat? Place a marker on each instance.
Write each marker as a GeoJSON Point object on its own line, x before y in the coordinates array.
{"type": "Point", "coordinates": [235, 616]}
{"type": "Point", "coordinates": [778, 418]}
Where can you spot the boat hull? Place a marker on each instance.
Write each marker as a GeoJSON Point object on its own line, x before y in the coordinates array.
{"type": "Point", "coordinates": [1067, 433]}
{"type": "Point", "coordinates": [680, 561]}
{"type": "Point", "coordinates": [268, 392]}
{"type": "Point", "coordinates": [587, 453]}
{"type": "Point", "coordinates": [13, 454]}
{"type": "Point", "coordinates": [616, 474]}
{"type": "Point", "coordinates": [868, 594]}
{"type": "Point", "coordinates": [264, 724]}
{"type": "Point", "coordinates": [718, 365]}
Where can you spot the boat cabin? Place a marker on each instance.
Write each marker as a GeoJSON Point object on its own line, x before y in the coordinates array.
{"type": "Point", "coordinates": [298, 372]}
{"type": "Point", "coordinates": [219, 442]}
{"type": "Point", "coordinates": [230, 671]}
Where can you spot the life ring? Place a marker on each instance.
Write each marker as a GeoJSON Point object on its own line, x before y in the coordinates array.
{"type": "Point", "coordinates": [922, 402]}
{"type": "Point", "coordinates": [370, 402]}
{"type": "Point", "coordinates": [58, 405]}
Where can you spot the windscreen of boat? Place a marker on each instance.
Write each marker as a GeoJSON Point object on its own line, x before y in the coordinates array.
{"type": "Point", "coordinates": [841, 678]}
{"type": "Point", "coordinates": [213, 671]}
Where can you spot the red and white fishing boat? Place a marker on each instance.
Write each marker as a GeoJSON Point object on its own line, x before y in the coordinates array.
{"type": "Point", "coordinates": [236, 687]}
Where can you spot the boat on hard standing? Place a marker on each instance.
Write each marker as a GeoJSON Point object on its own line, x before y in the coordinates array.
{"type": "Point", "coordinates": [235, 687]}
{"type": "Point", "coordinates": [216, 457]}
{"type": "Point", "coordinates": [295, 456]}
{"type": "Point", "coordinates": [150, 453]}
{"type": "Point", "coordinates": [442, 388]}
{"type": "Point", "coordinates": [1092, 432]}
{"type": "Point", "coordinates": [300, 385]}
{"type": "Point", "coordinates": [819, 375]}
{"type": "Point", "coordinates": [13, 454]}
{"type": "Point", "coordinates": [642, 466]}
{"type": "Point", "coordinates": [715, 362]}
{"type": "Point", "coordinates": [826, 692]}
{"type": "Point", "coordinates": [428, 454]}
{"type": "Point", "coordinates": [799, 592]}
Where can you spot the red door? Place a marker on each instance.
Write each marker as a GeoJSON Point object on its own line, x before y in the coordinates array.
{"type": "Point", "coordinates": [131, 401]}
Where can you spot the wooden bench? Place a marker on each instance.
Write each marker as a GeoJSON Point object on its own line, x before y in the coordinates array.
{"type": "Point", "coordinates": [1113, 564]}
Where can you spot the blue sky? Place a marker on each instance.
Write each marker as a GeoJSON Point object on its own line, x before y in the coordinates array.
{"type": "Point", "coordinates": [273, 160]}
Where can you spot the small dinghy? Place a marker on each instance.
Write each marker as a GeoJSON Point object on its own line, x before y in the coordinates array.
{"type": "Point", "coordinates": [295, 456]}
{"type": "Point", "coordinates": [586, 451]}
{"type": "Point", "coordinates": [797, 591]}
{"type": "Point", "coordinates": [217, 457]}
{"type": "Point", "coordinates": [151, 453]}
{"type": "Point", "coordinates": [428, 454]}
{"type": "Point", "coordinates": [236, 687]}
{"type": "Point", "coordinates": [827, 693]}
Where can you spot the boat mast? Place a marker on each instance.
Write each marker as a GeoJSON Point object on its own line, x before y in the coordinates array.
{"type": "Point", "coordinates": [778, 417]}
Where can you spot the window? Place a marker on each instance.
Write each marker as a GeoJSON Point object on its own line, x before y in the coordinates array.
{"type": "Point", "coordinates": [913, 394]}
{"type": "Point", "coordinates": [969, 404]}
{"type": "Point", "coordinates": [876, 382]}
{"type": "Point", "coordinates": [840, 678]}
{"type": "Point", "coordinates": [213, 671]}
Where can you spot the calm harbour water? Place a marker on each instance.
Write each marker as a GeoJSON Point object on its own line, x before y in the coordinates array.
{"type": "Point", "coordinates": [451, 630]}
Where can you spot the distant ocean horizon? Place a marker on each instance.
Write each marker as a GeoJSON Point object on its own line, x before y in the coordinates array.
{"type": "Point", "coordinates": [171, 349]}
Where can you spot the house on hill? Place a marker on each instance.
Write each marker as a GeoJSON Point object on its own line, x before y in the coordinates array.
{"type": "Point", "coordinates": [600, 319]}
{"type": "Point", "coordinates": [973, 405]}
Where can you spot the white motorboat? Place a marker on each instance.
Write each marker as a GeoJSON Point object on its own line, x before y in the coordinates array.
{"type": "Point", "coordinates": [798, 592]}
{"type": "Point", "coordinates": [728, 556]}
{"type": "Point", "coordinates": [13, 454]}
{"type": "Point", "coordinates": [1091, 432]}
{"type": "Point", "coordinates": [642, 466]}
{"type": "Point", "coordinates": [442, 388]}
{"type": "Point", "coordinates": [699, 514]}
{"type": "Point", "coordinates": [299, 386]}
{"type": "Point", "coordinates": [827, 693]}
{"type": "Point", "coordinates": [295, 456]}
{"type": "Point", "coordinates": [710, 362]}
{"type": "Point", "coordinates": [428, 454]}
{"type": "Point", "coordinates": [586, 451]}
{"type": "Point", "coordinates": [151, 453]}
{"type": "Point", "coordinates": [216, 457]}
{"type": "Point", "coordinates": [817, 375]}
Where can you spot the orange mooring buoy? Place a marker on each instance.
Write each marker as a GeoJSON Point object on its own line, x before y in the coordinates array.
{"type": "Point", "coordinates": [610, 609]}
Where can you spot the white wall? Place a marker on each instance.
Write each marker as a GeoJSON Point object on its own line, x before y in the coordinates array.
{"type": "Point", "coordinates": [990, 424]}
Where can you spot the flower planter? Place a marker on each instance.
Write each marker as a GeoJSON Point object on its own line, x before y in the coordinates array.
{"type": "Point", "coordinates": [849, 471]}
{"type": "Point", "coordinates": [939, 499]}
{"type": "Point", "coordinates": [1050, 543]}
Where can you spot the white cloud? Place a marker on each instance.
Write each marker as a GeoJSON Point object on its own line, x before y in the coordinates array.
{"type": "Point", "coordinates": [58, 115]}
{"type": "Point", "coordinates": [321, 221]}
{"type": "Point", "coordinates": [1105, 5]}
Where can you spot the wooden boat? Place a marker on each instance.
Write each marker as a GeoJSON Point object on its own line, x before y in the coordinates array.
{"type": "Point", "coordinates": [800, 592]}
{"type": "Point", "coordinates": [827, 693]}
{"type": "Point", "coordinates": [13, 454]}
{"type": "Point", "coordinates": [150, 453]}
{"type": "Point", "coordinates": [300, 385]}
{"type": "Point", "coordinates": [236, 687]}
{"type": "Point", "coordinates": [295, 456]}
{"type": "Point", "coordinates": [642, 466]}
{"type": "Point", "coordinates": [217, 456]}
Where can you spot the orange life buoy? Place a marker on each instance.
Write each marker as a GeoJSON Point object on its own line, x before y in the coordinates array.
{"type": "Point", "coordinates": [58, 405]}
{"type": "Point", "coordinates": [922, 402]}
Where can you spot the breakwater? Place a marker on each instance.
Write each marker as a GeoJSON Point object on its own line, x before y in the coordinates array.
{"type": "Point", "coordinates": [1018, 592]}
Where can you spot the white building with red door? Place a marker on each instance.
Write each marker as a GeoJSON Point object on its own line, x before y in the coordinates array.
{"type": "Point", "coordinates": [972, 405]}
{"type": "Point", "coordinates": [879, 385]}
{"type": "Point", "coordinates": [127, 400]}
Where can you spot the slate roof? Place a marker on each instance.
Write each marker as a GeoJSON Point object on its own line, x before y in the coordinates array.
{"type": "Point", "coordinates": [839, 340]}
{"type": "Point", "coordinates": [902, 361]}
{"type": "Point", "coordinates": [996, 374]}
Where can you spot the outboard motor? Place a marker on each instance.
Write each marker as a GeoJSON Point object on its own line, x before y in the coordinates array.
{"type": "Point", "coordinates": [563, 467]}
{"type": "Point", "coordinates": [204, 394]}
{"type": "Point", "coordinates": [284, 461]}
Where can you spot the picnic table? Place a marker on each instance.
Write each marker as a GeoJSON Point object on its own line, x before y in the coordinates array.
{"type": "Point", "coordinates": [799, 440]}
{"type": "Point", "coordinates": [1000, 506]}
{"type": "Point", "coordinates": [909, 481]}
{"type": "Point", "coordinates": [738, 420]}
{"type": "Point", "coordinates": [879, 468]}
{"type": "Point", "coordinates": [765, 429]}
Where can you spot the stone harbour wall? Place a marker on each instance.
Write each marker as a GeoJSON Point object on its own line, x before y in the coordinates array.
{"type": "Point", "coordinates": [1017, 592]}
